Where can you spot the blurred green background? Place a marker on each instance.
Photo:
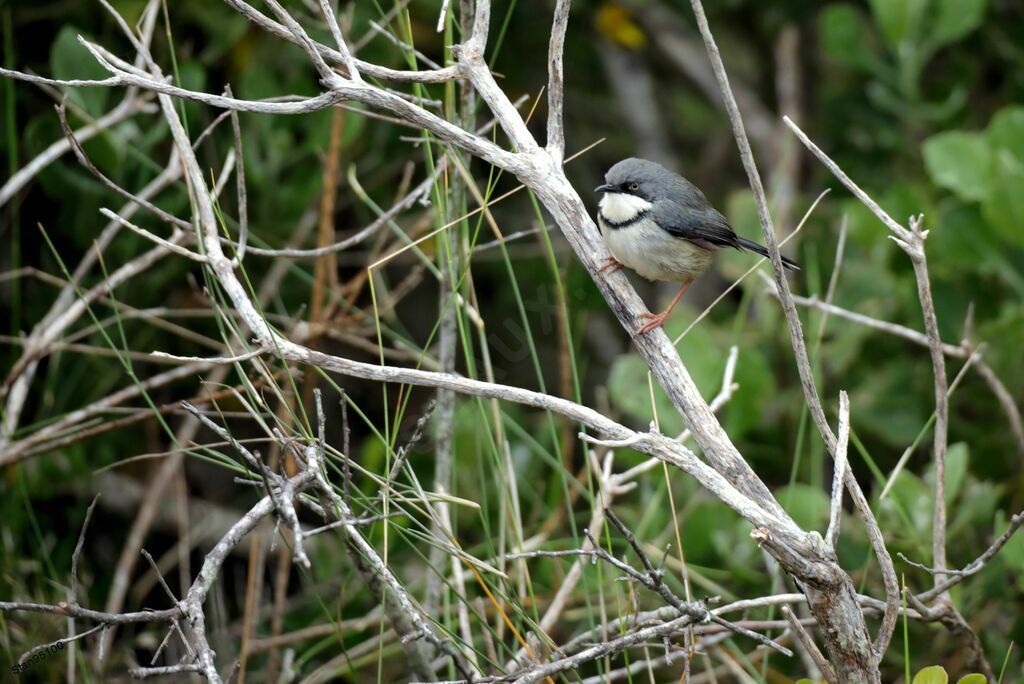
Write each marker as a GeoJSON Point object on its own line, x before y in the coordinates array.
{"type": "Point", "coordinates": [920, 101]}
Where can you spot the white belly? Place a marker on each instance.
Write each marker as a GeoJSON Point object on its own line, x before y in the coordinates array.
{"type": "Point", "coordinates": [655, 254]}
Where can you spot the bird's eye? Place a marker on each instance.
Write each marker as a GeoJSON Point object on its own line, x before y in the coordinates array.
{"type": "Point", "coordinates": [634, 186]}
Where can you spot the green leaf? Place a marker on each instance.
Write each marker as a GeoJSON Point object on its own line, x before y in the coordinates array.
{"type": "Point", "coordinates": [845, 35]}
{"type": "Point", "coordinates": [954, 19]}
{"type": "Point", "coordinates": [973, 678]}
{"type": "Point", "coordinates": [962, 241]}
{"type": "Point", "coordinates": [741, 208]}
{"type": "Point", "coordinates": [1006, 131]}
{"type": "Point", "coordinates": [890, 409]}
{"type": "Point", "coordinates": [1013, 551]}
{"type": "Point", "coordinates": [911, 495]}
{"type": "Point", "coordinates": [974, 510]}
{"type": "Point", "coordinates": [752, 400]}
{"type": "Point", "coordinates": [732, 543]}
{"type": "Point", "coordinates": [807, 505]}
{"type": "Point", "coordinates": [900, 20]}
{"type": "Point", "coordinates": [705, 358]}
{"type": "Point", "coordinates": [956, 470]}
{"type": "Point", "coordinates": [1004, 207]}
{"type": "Point", "coordinates": [959, 161]}
{"type": "Point", "coordinates": [629, 392]}
{"type": "Point", "coordinates": [931, 675]}
{"type": "Point", "coordinates": [699, 527]}
{"type": "Point", "coordinates": [69, 60]}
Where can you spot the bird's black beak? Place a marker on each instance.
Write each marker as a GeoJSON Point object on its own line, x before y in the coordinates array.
{"type": "Point", "coordinates": [604, 188]}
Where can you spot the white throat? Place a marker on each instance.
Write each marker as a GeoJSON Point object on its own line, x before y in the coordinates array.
{"type": "Point", "coordinates": [619, 207]}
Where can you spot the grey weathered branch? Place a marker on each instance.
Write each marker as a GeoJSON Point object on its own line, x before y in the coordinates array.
{"type": "Point", "coordinates": [911, 241]}
{"type": "Point", "coordinates": [965, 350]}
{"type": "Point", "coordinates": [957, 576]}
{"type": "Point", "coordinates": [336, 57]}
{"type": "Point", "coordinates": [339, 40]}
{"type": "Point", "coordinates": [537, 170]}
{"type": "Point", "coordinates": [724, 472]}
{"type": "Point", "coordinates": [684, 50]}
{"type": "Point", "coordinates": [128, 108]}
{"type": "Point", "coordinates": [556, 81]}
{"type": "Point", "coordinates": [839, 466]}
{"type": "Point", "coordinates": [846, 636]}
{"type": "Point", "coordinates": [808, 643]}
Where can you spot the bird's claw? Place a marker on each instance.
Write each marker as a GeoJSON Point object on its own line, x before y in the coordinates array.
{"type": "Point", "coordinates": [611, 263]}
{"type": "Point", "coordinates": [656, 321]}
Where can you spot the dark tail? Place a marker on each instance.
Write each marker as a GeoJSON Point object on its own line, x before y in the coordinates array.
{"type": "Point", "coordinates": [754, 247]}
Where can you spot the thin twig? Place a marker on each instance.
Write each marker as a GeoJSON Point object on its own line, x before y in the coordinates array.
{"type": "Point", "coordinates": [259, 351]}
{"type": "Point", "coordinates": [556, 81]}
{"type": "Point", "coordinates": [897, 230]}
{"type": "Point", "coordinates": [839, 472]}
{"type": "Point", "coordinates": [847, 639]}
{"type": "Point", "coordinates": [129, 107]}
{"type": "Point", "coordinates": [808, 643]}
{"type": "Point", "coordinates": [240, 189]}
{"type": "Point", "coordinates": [908, 452]}
{"type": "Point", "coordinates": [955, 351]}
{"type": "Point", "coordinates": [166, 244]}
{"type": "Point", "coordinates": [339, 40]}
{"type": "Point", "coordinates": [971, 568]}
{"type": "Point", "coordinates": [73, 593]}
{"type": "Point", "coordinates": [1006, 400]}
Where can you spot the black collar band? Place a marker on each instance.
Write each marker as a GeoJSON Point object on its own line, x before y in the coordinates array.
{"type": "Point", "coordinates": [615, 225]}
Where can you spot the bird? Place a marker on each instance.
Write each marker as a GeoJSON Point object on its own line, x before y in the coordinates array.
{"type": "Point", "coordinates": [661, 226]}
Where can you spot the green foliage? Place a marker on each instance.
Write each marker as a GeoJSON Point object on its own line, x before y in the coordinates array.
{"type": "Point", "coordinates": [846, 36]}
{"type": "Point", "coordinates": [900, 20]}
{"type": "Point", "coordinates": [961, 162]}
{"type": "Point", "coordinates": [1004, 206]}
{"type": "Point", "coordinates": [629, 390]}
{"type": "Point", "coordinates": [953, 20]}
{"type": "Point", "coordinates": [930, 24]}
{"type": "Point", "coordinates": [807, 504]}
{"type": "Point", "coordinates": [913, 98]}
{"type": "Point", "coordinates": [931, 675]}
{"type": "Point", "coordinates": [974, 678]}
{"type": "Point", "coordinates": [907, 503]}
{"type": "Point", "coordinates": [1006, 131]}
{"type": "Point", "coordinates": [70, 60]}
{"type": "Point", "coordinates": [985, 167]}
{"type": "Point", "coordinates": [926, 24]}
{"type": "Point", "coordinates": [914, 31]}
{"type": "Point", "coordinates": [706, 355]}
{"type": "Point", "coordinates": [956, 470]}
{"type": "Point", "coordinates": [1013, 553]}
{"type": "Point", "coordinates": [936, 674]}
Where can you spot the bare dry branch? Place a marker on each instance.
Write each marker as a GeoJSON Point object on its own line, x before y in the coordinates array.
{"type": "Point", "coordinates": [841, 622]}
{"type": "Point", "coordinates": [971, 568]}
{"type": "Point", "coordinates": [911, 241]}
{"type": "Point", "coordinates": [811, 560]}
{"type": "Point", "coordinates": [839, 466]}
{"type": "Point", "coordinates": [556, 81]}
{"type": "Point", "coordinates": [808, 643]}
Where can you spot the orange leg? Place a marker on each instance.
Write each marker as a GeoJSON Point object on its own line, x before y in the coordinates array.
{"type": "Point", "coordinates": [610, 263]}
{"type": "Point", "coordinates": [657, 320]}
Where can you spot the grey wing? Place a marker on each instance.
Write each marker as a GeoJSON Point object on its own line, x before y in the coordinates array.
{"type": "Point", "coordinates": [705, 226]}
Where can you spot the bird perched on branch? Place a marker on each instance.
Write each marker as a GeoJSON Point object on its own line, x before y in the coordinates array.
{"type": "Point", "coordinates": [660, 225]}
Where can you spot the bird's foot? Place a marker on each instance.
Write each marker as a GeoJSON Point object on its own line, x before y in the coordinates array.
{"type": "Point", "coordinates": [611, 263]}
{"type": "Point", "coordinates": [654, 321]}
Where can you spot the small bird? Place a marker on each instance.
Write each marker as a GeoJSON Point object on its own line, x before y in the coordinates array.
{"type": "Point", "coordinates": [660, 225]}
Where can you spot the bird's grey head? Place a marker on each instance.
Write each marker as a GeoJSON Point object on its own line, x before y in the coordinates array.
{"type": "Point", "coordinates": [638, 177]}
